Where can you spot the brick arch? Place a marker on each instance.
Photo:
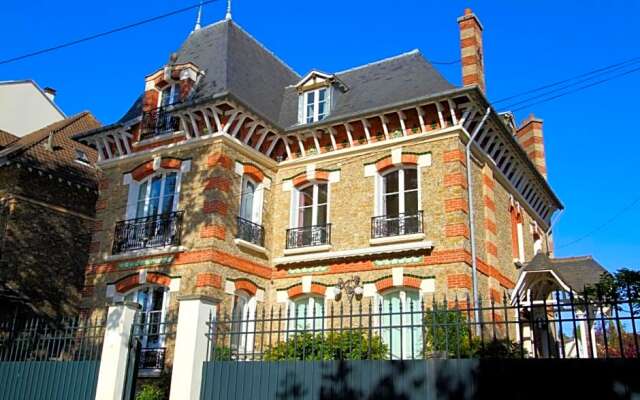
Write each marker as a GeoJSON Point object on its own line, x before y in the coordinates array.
{"type": "Point", "coordinates": [246, 285]}
{"type": "Point", "coordinates": [316, 288]}
{"type": "Point", "coordinates": [387, 162]}
{"type": "Point", "coordinates": [146, 168]}
{"type": "Point", "coordinates": [254, 172]}
{"type": "Point", "coordinates": [303, 179]}
{"type": "Point", "coordinates": [131, 281]}
{"type": "Point", "coordinates": [385, 284]}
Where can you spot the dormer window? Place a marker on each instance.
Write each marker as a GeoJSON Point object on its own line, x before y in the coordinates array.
{"type": "Point", "coordinates": [169, 95]}
{"type": "Point", "coordinates": [82, 158]}
{"type": "Point", "coordinates": [316, 105]}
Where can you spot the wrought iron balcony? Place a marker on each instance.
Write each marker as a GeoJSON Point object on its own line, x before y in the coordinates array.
{"type": "Point", "coordinates": [250, 232]}
{"type": "Point", "coordinates": [396, 225]}
{"type": "Point", "coordinates": [306, 236]}
{"type": "Point", "coordinates": [152, 358]}
{"type": "Point", "coordinates": [157, 122]}
{"type": "Point", "coordinates": [148, 232]}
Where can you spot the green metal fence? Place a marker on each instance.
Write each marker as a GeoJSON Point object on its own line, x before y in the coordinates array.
{"type": "Point", "coordinates": [41, 359]}
{"type": "Point", "coordinates": [422, 379]}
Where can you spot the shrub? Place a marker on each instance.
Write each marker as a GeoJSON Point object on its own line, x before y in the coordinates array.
{"type": "Point", "coordinates": [150, 392]}
{"type": "Point", "coordinates": [347, 345]}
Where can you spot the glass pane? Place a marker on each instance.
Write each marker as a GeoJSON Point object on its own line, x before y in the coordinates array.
{"type": "Point", "coordinates": [306, 216]}
{"type": "Point", "coordinates": [322, 94]}
{"type": "Point", "coordinates": [154, 196]}
{"type": "Point", "coordinates": [169, 192]}
{"type": "Point", "coordinates": [411, 202]}
{"type": "Point", "coordinates": [301, 313]}
{"type": "Point", "coordinates": [165, 96]}
{"type": "Point", "coordinates": [391, 204]}
{"type": "Point", "coordinates": [391, 182]}
{"type": "Point", "coordinates": [246, 202]}
{"type": "Point", "coordinates": [410, 179]}
{"type": "Point", "coordinates": [142, 194]}
{"type": "Point", "coordinates": [306, 196]}
{"type": "Point", "coordinates": [322, 215]}
{"type": "Point", "coordinates": [157, 300]}
{"type": "Point", "coordinates": [322, 194]}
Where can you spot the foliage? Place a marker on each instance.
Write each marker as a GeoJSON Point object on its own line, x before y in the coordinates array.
{"type": "Point", "coordinates": [448, 335]}
{"type": "Point", "coordinates": [346, 345]}
{"type": "Point", "coordinates": [150, 392]}
{"type": "Point", "coordinates": [221, 353]}
{"type": "Point", "coordinates": [616, 343]}
{"type": "Point", "coordinates": [622, 286]}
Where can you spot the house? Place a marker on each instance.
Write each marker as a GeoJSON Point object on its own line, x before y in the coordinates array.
{"type": "Point", "coordinates": [48, 190]}
{"type": "Point", "coordinates": [25, 107]}
{"type": "Point", "coordinates": [235, 177]}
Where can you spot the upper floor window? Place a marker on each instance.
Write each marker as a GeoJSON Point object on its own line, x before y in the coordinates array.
{"type": "Point", "coordinates": [312, 206]}
{"type": "Point", "coordinates": [400, 192]}
{"type": "Point", "coordinates": [316, 105]}
{"type": "Point", "coordinates": [157, 195]}
{"type": "Point", "coordinates": [250, 200]}
{"type": "Point", "coordinates": [169, 95]}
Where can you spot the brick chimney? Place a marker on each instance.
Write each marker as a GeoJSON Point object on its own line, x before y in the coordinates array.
{"type": "Point", "coordinates": [471, 51]}
{"type": "Point", "coordinates": [530, 137]}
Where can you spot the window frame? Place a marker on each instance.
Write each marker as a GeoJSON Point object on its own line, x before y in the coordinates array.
{"type": "Point", "coordinates": [257, 202]}
{"type": "Point", "coordinates": [309, 119]}
{"type": "Point", "coordinates": [247, 321]}
{"type": "Point", "coordinates": [134, 191]}
{"type": "Point", "coordinates": [144, 339]}
{"type": "Point", "coordinates": [406, 334]}
{"type": "Point", "coordinates": [309, 319]}
{"type": "Point", "coordinates": [295, 221]}
{"type": "Point", "coordinates": [174, 89]}
{"type": "Point", "coordinates": [381, 194]}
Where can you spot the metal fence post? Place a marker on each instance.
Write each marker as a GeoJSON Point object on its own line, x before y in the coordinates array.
{"type": "Point", "coordinates": [115, 351]}
{"type": "Point", "coordinates": [191, 346]}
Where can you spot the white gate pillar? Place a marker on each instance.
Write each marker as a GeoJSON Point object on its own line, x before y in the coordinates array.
{"type": "Point", "coordinates": [191, 346]}
{"type": "Point", "coordinates": [115, 351]}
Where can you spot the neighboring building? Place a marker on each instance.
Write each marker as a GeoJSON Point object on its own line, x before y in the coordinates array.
{"type": "Point", "coordinates": [24, 107]}
{"type": "Point", "coordinates": [234, 177]}
{"type": "Point", "coordinates": [48, 190]}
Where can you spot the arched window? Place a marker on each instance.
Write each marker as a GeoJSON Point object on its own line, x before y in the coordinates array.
{"type": "Point", "coordinates": [250, 204]}
{"type": "Point", "coordinates": [398, 203]}
{"type": "Point", "coordinates": [243, 326]}
{"type": "Point", "coordinates": [157, 194]}
{"type": "Point", "coordinates": [401, 323]}
{"type": "Point", "coordinates": [153, 301]}
{"type": "Point", "coordinates": [310, 216]}
{"type": "Point", "coordinates": [307, 313]}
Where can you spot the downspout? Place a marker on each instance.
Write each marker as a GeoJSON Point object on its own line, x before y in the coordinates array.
{"type": "Point", "coordinates": [472, 229]}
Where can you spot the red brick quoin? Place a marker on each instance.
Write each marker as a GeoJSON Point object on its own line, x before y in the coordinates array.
{"type": "Point", "coordinates": [129, 282]}
{"type": "Point", "coordinates": [145, 169]}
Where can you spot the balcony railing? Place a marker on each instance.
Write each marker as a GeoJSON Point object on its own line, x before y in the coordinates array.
{"type": "Point", "coordinates": [396, 225]}
{"type": "Point", "coordinates": [157, 122]}
{"type": "Point", "coordinates": [148, 232]}
{"type": "Point", "coordinates": [250, 232]}
{"type": "Point", "coordinates": [315, 235]}
{"type": "Point", "coordinates": [152, 358]}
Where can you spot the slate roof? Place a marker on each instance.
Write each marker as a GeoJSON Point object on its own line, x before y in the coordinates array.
{"type": "Point", "coordinates": [235, 63]}
{"type": "Point", "coordinates": [576, 272]}
{"type": "Point", "coordinates": [31, 150]}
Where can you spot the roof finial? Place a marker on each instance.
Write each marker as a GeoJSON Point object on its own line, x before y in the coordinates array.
{"type": "Point", "coordinates": [228, 16]}
{"type": "Point", "coordinates": [198, 18]}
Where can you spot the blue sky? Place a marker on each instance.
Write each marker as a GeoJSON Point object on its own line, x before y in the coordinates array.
{"type": "Point", "coordinates": [590, 136]}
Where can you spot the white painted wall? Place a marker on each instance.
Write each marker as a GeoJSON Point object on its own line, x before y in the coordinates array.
{"type": "Point", "coordinates": [24, 108]}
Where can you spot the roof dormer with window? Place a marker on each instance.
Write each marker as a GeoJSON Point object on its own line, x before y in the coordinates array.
{"type": "Point", "coordinates": [315, 94]}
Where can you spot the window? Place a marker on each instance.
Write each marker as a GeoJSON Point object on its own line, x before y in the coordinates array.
{"type": "Point", "coordinates": [169, 95]}
{"type": "Point", "coordinates": [398, 205]}
{"type": "Point", "coordinates": [517, 235]}
{"type": "Point", "coordinates": [537, 243]}
{"type": "Point", "coordinates": [153, 306]}
{"type": "Point", "coordinates": [157, 195]}
{"type": "Point", "coordinates": [312, 205]}
{"type": "Point", "coordinates": [401, 323]}
{"type": "Point", "coordinates": [82, 157]}
{"type": "Point", "coordinates": [307, 313]}
{"type": "Point", "coordinates": [244, 310]}
{"type": "Point", "coordinates": [316, 105]}
{"type": "Point", "coordinates": [250, 201]}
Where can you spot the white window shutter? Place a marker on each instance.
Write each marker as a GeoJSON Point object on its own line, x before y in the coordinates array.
{"type": "Point", "coordinates": [301, 108]}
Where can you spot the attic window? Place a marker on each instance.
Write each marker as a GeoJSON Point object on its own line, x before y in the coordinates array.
{"type": "Point", "coordinates": [82, 158]}
{"type": "Point", "coordinates": [315, 105]}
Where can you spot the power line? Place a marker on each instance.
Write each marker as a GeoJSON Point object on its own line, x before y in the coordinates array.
{"type": "Point", "coordinates": [604, 225]}
{"type": "Point", "coordinates": [597, 71]}
{"type": "Point", "coordinates": [578, 89]}
{"type": "Point", "coordinates": [106, 33]}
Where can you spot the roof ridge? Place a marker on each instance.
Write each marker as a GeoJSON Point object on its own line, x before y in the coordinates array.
{"type": "Point", "coordinates": [383, 60]}
{"type": "Point", "coordinates": [263, 47]}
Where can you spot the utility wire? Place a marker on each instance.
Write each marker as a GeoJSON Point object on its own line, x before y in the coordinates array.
{"type": "Point", "coordinates": [602, 226]}
{"type": "Point", "coordinates": [106, 33]}
{"type": "Point", "coordinates": [598, 71]}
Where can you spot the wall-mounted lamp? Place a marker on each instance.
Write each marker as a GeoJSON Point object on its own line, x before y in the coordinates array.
{"type": "Point", "coordinates": [351, 287]}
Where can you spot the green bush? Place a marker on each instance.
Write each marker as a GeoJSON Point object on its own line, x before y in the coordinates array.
{"type": "Point", "coordinates": [150, 392]}
{"type": "Point", "coordinates": [221, 353]}
{"type": "Point", "coordinates": [347, 345]}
